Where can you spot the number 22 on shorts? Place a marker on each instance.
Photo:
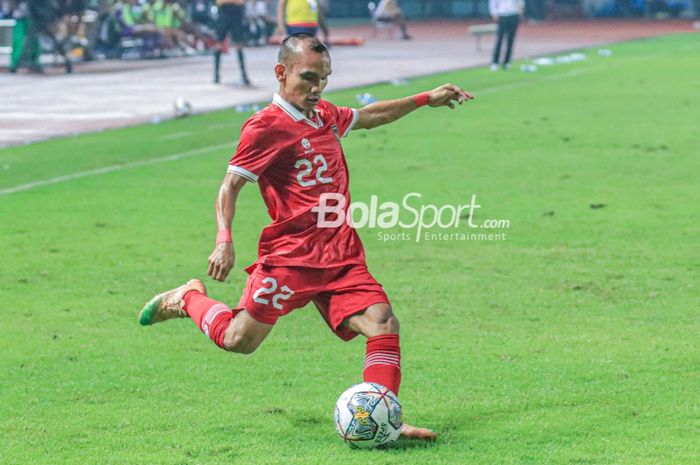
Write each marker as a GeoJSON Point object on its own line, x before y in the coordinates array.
{"type": "Point", "coordinates": [271, 290]}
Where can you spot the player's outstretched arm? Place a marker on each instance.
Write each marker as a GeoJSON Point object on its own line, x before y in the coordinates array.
{"type": "Point", "coordinates": [223, 257]}
{"type": "Point", "coordinates": [387, 111]}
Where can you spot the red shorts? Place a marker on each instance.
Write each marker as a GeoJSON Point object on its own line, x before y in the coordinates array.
{"type": "Point", "coordinates": [273, 291]}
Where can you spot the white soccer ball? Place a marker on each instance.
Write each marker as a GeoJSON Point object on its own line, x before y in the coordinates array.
{"type": "Point", "coordinates": [182, 107]}
{"type": "Point", "coordinates": [368, 415]}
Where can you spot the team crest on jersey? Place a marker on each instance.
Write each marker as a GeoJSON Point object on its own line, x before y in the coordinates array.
{"type": "Point", "coordinates": [306, 144]}
{"type": "Point", "coordinates": [334, 128]}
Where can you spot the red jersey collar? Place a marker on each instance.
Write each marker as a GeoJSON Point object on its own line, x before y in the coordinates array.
{"type": "Point", "coordinates": [295, 114]}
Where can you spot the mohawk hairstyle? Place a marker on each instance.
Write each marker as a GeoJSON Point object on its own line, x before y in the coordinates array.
{"type": "Point", "coordinates": [294, 44]}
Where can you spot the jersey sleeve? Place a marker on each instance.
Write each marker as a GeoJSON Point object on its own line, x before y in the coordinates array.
{"type": "Point", "coordinates": [255, 151]}
{"type": "Point", "coordinates": [345, 118]}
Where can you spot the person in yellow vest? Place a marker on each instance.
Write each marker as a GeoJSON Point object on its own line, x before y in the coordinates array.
{"type": "Point", "coordinates": [143, 13]}
{"type": "Point", "coordinates": [300, 17]}
{"type": "Point", "coordinates": [169, 17]}
{"type": "Point", "coordinates": [230, 22]}
{"type": "Point", "coordinates": [132, 19]}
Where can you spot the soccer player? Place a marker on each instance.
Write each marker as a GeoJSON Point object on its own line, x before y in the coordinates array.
{"type": "Point", "coordinates": [292, 150]}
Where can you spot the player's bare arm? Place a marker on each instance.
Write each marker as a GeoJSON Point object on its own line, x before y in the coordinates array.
{"type": "Point", "coordinates": [223, 257]}
{"type": "Point", "coordinates": [388, 111]}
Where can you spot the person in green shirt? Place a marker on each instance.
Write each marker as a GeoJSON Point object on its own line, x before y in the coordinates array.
{"type": "Point", "coordinates": [170, 19]}
{"type": "Point", "coordinates": [25, 41]}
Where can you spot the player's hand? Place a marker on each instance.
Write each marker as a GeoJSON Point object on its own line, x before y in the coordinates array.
{"type": "Point", "coordinates": [221, 261]}
{"type": "Point", "coordinates": [447, 94]}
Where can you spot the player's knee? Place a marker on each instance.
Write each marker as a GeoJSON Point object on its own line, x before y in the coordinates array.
{"type": "Point", "coordinates": [390, 325]}
{"type": "Point", "coordinates": [240, 343]}
{"type": "Point", "coordinates": [381, 320]}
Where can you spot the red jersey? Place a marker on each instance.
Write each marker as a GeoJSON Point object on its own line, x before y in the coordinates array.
{"type": "Point", "coordinates": [294, 160]}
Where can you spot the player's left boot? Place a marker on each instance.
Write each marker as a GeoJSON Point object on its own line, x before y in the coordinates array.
{"type": "Point", "coordinates": [169, 304]}
{"type": "Point", "coordinates": [412, 432]}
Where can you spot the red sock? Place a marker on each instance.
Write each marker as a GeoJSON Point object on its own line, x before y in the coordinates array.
{"type": "Point", "coordinates": [211, 316]}
{"type": "Point", "coordinates": [383, 361]}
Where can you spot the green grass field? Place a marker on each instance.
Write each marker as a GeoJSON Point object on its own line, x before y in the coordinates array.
{"type": "Point", "coordinates": [574, 341]}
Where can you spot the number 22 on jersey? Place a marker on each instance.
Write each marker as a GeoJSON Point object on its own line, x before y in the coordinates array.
{"type": "Point", "coordinates": [271, 290]}
{"type": "Point", "coordinates": [306, 168]}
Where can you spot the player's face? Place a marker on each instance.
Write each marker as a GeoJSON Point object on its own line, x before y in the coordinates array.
{"type": "Point", "coordinates": [302, 82]}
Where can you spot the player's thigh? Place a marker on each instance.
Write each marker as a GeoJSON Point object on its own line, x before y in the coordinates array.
{"type": "Point", "coordinates": [274, 291]}
{"type": "Point", "coordinates": [356, 304]}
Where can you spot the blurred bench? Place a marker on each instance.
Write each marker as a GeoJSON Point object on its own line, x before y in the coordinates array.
{"type": "Point", "coordinates": [6, 26]}
{"type": "Point", "coordinates": [479, 30]}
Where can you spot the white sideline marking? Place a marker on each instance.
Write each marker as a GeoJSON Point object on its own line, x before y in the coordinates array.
{"type": "Point", "coordinates": [109, 169]}
{"type": "Point", "coordinates": [513, 85]}
{"type": "Point", "coordinates": [175, 135]}
{"type": "Point", "coordinates": [192, 153]}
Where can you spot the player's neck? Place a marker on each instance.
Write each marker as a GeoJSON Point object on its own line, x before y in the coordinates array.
{"type": "Point", "coordinates": [309, 114]}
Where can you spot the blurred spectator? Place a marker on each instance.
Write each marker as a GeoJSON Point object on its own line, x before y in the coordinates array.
{"type": "Point", "coordinates": [169, 17]}
{"type": "Point", "coordinates": [25, 40]}
{"type": "Point", "coordinates": [132, 17]}
{"type": "Point", "coordinates": [300, 16]}
{"type": "Point", "coordinates": [133, 21]}
{"type": "Point", "coordinates": [388, 11]}
{"type": "Point", "coordinates": [507, 14]}
{"type": "Point", "coordinates": [260, 23]}
{"type": "Point", "coordinates": [6, 8]}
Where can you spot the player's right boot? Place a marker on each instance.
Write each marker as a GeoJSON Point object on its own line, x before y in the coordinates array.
{"type": "Point", "coordinates": [169, 304]}
{"type": "Point", "coordinates": [412, 432]}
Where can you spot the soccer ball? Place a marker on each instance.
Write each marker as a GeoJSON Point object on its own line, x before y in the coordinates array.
{"type": "Point", "coordinates": [368, 415]}
{"type": "Point", "coordinates": [182, 108]}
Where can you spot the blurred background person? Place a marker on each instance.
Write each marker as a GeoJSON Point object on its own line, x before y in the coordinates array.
{"type": "Point", "coordinates": [300, 17]}
{"type": "Point", "coordinates": [170, 18]}
{"type": "Point", "coordinates": [507, 14]}
{"type": "Point", "coordinates": [388, 11]}
{"type": "Point", "coordinates": [230, 23]}
{"type": "Point", "coordinates": [25, 39]}
{"type": "Point", "coordinates": [261, 24]}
